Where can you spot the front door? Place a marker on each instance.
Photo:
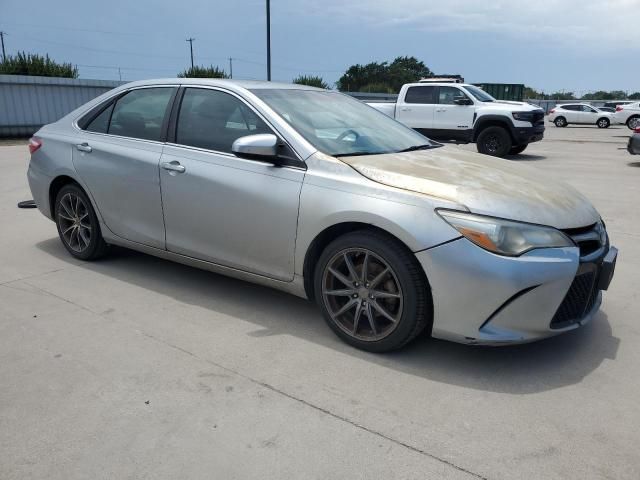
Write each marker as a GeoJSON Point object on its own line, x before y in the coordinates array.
{"type": "Point", "coordinates": [117, 156]}
{"type": "Point", "coordinates": [220, 208]}
{"type": "Point", "coordinates": [456, 119]}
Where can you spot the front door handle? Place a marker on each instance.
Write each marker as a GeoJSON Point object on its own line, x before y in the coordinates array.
{"type": "Point", "coordinates": [405, 109]}
{"type": "Point", "coordinates": [84, 147]}
{"type": "Point", "coordinates": [173, 167]}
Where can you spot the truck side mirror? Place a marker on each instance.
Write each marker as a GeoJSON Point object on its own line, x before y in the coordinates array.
{"type": "Point", "coordinates": [462, 101]}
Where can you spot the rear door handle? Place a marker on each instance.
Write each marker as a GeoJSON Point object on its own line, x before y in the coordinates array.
{"type": "Point", "coordinates": [173, 166]}
{"type": "Point", "coordinates": [84, 147]}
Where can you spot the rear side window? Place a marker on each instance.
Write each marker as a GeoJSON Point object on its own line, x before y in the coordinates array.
{"type": "Point", "coordinates": [140, 113]}
{"type": "Point", "coordinates": [213, 120]}
{"type": "Point", "coordinates": [100, 124]}
{"type": "Point", "coordinates": [421, 94]}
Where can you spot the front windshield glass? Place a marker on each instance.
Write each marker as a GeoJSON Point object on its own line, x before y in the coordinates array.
{"type": "Point", "coordinates": [479, 94]}
{"type": "Point", "coordinates": [340, 125]}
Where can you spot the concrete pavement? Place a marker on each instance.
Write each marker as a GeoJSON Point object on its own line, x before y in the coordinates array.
{"type": "Point", "coordinates": [134, 367]}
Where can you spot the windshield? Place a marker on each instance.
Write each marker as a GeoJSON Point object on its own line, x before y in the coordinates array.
{"type": "Point", "coordinates": [340, 125]}
{"type": "Point", "coordinates": [479, 94]}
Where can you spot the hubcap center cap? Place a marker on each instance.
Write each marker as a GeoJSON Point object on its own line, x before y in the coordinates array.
{"type": "Point", "coordinates": [363, 292]}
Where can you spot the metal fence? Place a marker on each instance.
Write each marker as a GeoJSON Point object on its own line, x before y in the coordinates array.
{"type": "Point", "coordinates": [27, 103]}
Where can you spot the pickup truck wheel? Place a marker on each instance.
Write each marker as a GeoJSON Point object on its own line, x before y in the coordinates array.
{"type": "Point", "coordinates": [560, 122]}
{"type": "Point", "coordinates": [518, 149]}
{"type": "Point", "coordinates": [633, 122]}
{"type": "Point", "coordinates": [603, 123]}
{"type": "Point", "coordinates": [494, 141]}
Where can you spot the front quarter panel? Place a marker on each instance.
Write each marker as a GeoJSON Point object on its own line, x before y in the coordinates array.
{"type": "Point", "coordinates": [334, 193]}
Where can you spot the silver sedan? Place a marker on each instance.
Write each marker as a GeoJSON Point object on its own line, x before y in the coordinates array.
{"type": "Point", "coordinates": [315, 193]}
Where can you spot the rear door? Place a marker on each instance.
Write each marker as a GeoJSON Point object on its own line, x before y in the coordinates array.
{"type": "Point", "coordinates": [220, 208]}
{"type": "Point", "coordinates": [571, 113]}
{"type": "Point", "coordinates": [117, 156]}
{"type": "Point", "coordinates": [417, 108]}
{"type": "Point", "coordinates": [456, 119]}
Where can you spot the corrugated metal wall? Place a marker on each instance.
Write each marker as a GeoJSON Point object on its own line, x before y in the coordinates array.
{"type": "Point", "coordinates": [27, 103]}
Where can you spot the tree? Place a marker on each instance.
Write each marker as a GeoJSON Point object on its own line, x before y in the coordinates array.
{"type": "Point", "coordinates": [198, 71]}
{"type": "Point", "coordinates": [311, 80]}
{"type": "Point", "coordinates": [383, 77]}
{"type": "Point", "coordinates": [634, 96]}
{"type": "Point", "coordinates": [603, 95]}
{"type": "Point", "coordinates": [36, 65]}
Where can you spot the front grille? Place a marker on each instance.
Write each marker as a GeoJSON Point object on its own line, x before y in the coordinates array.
{"type": "Point", "coordinates": [538, 117]}
{"type": "Point", "coordinates": [579, 300]}
{"type": "Point", "coordinates": [589, 239]}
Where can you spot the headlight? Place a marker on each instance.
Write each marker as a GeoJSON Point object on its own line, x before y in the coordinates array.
{"type": "Point", "coordinates": [522, 116]}
{"type": "Point", "coordinates": [504, 236]}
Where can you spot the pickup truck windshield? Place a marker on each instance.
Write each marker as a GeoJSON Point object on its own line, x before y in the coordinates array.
{"type": "Point", "coordinates": [480, 94]}
{"type": "Point", "coordinates": [339, 125]}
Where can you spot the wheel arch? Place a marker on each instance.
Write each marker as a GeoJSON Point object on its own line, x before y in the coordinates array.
{"type": "Point", "coordinates": [325, 237]}
{"type": "Point", "coordinates": [487, 121]}
{"type": "Point", "coordinates": [55, 186]}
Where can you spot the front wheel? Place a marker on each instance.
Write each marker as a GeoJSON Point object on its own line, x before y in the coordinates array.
{"type": "Point", "coordinates": [494, 141]}
{"type": "Point", "coordinates": [603, 123]}
{"type": "Point", "coordinates": [518, 149]}
{"type": "Point", "coordinates": [372, 291]}
{"type": "Point", "coordinates": [78, 224]}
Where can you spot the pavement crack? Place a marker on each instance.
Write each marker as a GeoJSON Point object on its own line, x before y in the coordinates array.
{"type": "Point", "coordinates": [317, 408]}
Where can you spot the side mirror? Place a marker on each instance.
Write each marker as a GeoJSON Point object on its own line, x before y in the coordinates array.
{"type": "Point", "coordinates": [462, 101]}
{"type": "Point", "coordinates": [262, 147]}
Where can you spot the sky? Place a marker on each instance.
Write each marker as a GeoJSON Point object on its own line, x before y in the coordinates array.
{"type": "Point", "coordinates": [570, 45]}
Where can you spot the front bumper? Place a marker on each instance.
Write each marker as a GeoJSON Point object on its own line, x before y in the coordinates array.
{"type": "Point", "coordinates": [483, 298]}
{"type": "Point", "coordinates": [526, 135]}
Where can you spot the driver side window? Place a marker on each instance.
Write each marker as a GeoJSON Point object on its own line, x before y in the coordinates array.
{"type": "Point", "coordinates": [447, 95]}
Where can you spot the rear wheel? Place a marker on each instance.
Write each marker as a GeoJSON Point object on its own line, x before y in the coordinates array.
{"type": "Point", "coordinates": [78, 224]}
{"type": "Point", "coordinates": [372, 291]}
{"type": "Point", "coordinates": [518, 149]}
{"type": "Point", "coordinates": [560, 122]}
{"type": "Point", "coordinates": [633, 122]}
{"type": "Point", "coordinates": [494, 141]}
{"type": "Point", "coordinates": [603, 123]}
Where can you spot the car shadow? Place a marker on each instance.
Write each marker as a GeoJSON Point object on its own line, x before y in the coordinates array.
{"type": "Point", "coordinates": [521, 369]}
{"type": "Point", "coordinates": [526, 157]}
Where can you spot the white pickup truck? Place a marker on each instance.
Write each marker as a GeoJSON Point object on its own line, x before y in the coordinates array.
{"type": "Point", "coordinates": [465, 113]}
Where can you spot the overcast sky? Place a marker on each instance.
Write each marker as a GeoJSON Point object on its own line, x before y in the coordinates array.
{"type": "Point", "coordinates": [573, 45]}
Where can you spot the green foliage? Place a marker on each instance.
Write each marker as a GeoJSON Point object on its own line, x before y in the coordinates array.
{"type": "Point", "coordinates": [599, 95]}
{"type": "Point", "coordinates": [602, 95]}
{"type": "Point", "coordinates": [383, 77]}
{"type": "Point", "coordinates": [311, 80]}
{"type": "Point", "coordinates": [198, 71]}
{"type": "Point", "coordinates": [634, 96]}
{"type": "Point", "coordinates": [36, 65]}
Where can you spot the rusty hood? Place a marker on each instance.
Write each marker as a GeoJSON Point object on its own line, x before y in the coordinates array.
{"type": "Point", "coordinates": [484, 184]}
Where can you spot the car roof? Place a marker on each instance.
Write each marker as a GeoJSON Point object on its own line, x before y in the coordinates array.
{"type": "Point", "coordinates": [219, 82]}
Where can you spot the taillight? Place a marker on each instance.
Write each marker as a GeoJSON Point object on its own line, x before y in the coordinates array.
{"type": "Point", "coordinates": [553, 110]}
{"type": "Point", "coordinates": [34, 144]}
{"type": "Point", "coordinates": [619, 108]}
{"type": "Point", "coordinates": [637, 130]}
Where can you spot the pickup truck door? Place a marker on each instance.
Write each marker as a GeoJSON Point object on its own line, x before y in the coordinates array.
{"type": "Point", "coordinates": [416, 108]}
{"type": "Point", "coordinates": [456, 119]}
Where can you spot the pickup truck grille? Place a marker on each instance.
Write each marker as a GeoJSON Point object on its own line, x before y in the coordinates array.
{"type": "Point", "coordinates": [538, 118]}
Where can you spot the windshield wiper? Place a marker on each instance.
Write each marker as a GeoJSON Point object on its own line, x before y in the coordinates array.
{"type": "Point", "coordinates": [413, 148]}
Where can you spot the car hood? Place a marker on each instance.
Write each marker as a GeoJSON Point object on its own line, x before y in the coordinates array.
{"type": "Point", "coordinates": [515, 106]}
{"type": "Point", "coordinates": [484, 184]}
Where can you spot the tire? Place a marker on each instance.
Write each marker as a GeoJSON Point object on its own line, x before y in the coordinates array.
{"type": "Point", "coordinates": [518, 149]}
{"type": "Point", "coordinates": [494, 141]}
{"type": "Point", "coordinates": [560, 122]}
{"type": "Point", "coordinates": [603, 123]}
{"type": "Point", "coordinates": [411, 308]}
{"type": "Point", "coordinates": [78, 225]}
{"type": "Point", "coordinates": [633, 122]}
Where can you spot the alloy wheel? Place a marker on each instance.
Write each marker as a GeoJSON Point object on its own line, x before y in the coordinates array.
{"type": "Point", "coordinates": [75, 224]}
{"type": "Point", "coordinates": [493, 144]}
{"type": "Point", "coordinates": [362, 294]}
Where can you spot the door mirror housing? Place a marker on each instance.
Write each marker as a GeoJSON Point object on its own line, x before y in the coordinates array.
{"type": "Point", "coordinates": [262, 147]}
{"type": "Point", "coordinates": [462, 101]}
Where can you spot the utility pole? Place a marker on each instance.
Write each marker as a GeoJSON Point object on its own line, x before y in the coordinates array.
{"type": "Point", "coordinates": [4, 55]}
{"type": "Point", "coordinates": [119, 74]}
{"type": "Point", "coordinates": [269, 40]}
{"type": "Point", "coordinates": [190, 40]}
{"type": "Point", "coordinates": [230, 67]}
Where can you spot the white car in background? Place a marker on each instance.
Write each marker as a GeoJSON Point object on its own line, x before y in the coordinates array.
{"type": "Point", "coordinates": [581, 114]}
{"type": "Point", "coordinates": [629, 115]}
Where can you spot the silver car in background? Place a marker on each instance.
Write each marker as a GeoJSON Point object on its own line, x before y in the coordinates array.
{"type": "Point", "coordinates": [315, 193]}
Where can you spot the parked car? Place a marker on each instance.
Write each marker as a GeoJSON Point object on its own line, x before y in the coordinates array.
{"type": "Point", "coordinates": [607, 109]}
{"type": "Point", "coordinates": [580, 114]}
{"type": "Point", "coordinates": [629, 115]}
{"type": "Point", "coordinates": [615, 104]}
{"type": "Point", "coordinates": [465, 113]}
{"type": "Point", "coordinates": [312, 192]}
{"type": "Point", "coordinates": [634, 142]}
